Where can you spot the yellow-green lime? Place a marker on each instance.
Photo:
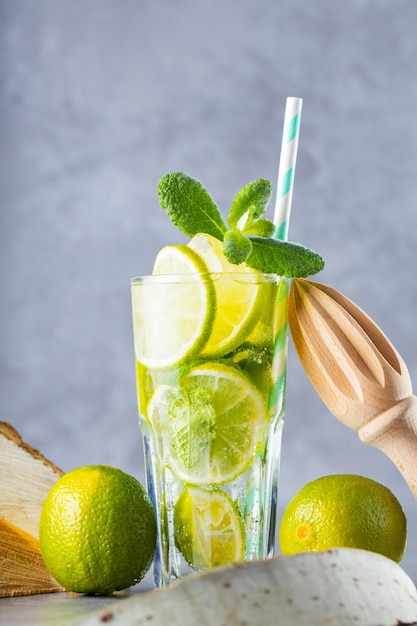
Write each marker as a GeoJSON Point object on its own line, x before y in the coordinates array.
{"type": "Point", "coordinates": [344, 510]}
{"type": "Point", "coordinates": [209, 423]}
{"type": "Point", "coordinates": [173, 316]}
{"type": "Point", "coordinates": [208, 527]}
{"type": "Point", "coordinates": [239, 293]}
{"type": "Point", "coordinates": [97, 530]}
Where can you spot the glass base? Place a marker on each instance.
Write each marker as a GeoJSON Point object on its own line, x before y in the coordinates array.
{"type": "Point", "coordinates": [254, 495]}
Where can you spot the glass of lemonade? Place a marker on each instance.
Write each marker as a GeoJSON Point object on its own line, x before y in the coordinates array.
{"type": "Point", "coordinates": [211, 351]}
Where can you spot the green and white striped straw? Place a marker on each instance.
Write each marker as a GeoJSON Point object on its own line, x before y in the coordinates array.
{"type": "Point", "coordinates": [257, 499]}
{"type": "Point", "coordinates": [286, 174]}
{"type": "Point", "coordinates": [286, 171]}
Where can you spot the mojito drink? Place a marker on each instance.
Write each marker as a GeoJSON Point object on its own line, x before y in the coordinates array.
{"type": "Point", "coordinates": [210, 335]}
{"type": "Point", "coordinates": [210, 353]}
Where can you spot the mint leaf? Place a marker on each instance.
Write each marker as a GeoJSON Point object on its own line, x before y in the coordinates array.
{"type": "Point", "coordinates": [262, 227]}
{"type": "Point", "coordinates": [236, 247]}
{"type": "Point", "coordinates": [250, 202]}
{"type": "Point", "coordinates": [189, 205]}
{"type": "Point", "coordinates": [273, 256]}
{"type": "Point", "coordinates": [192, 421]}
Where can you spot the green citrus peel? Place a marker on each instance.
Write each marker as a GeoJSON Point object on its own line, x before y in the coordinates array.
{"type": "Point", "coordinates": [247, 236]}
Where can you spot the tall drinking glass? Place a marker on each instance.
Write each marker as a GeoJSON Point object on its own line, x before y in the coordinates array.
{"type": "Point", "coordinates": [211, 353]}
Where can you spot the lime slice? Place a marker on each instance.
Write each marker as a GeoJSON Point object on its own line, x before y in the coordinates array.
{"type": "Point", "coordinates": [208, 528]}
{"type": "Point", "coordinates": [240, 296]}
{"type": "Point", "coordinates": [173, 316]}
{"type": "Point", "coordinates": [178, 260]}
{"type": "Point", "coordinates": [209, 423]}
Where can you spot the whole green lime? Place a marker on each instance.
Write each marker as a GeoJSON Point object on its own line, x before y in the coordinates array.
{"type": "Point", "coordinates": [344, 511]}
{"type": "Point", "coordinates": [97, 530]}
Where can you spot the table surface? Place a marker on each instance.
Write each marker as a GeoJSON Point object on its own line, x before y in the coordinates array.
{"type": "Point", "coordinates": [56, 609]}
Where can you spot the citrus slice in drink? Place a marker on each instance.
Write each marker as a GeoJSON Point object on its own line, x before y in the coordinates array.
{"type": "Point", "coordinates": [208, 528]}
{"type": "Point", "coordinates": [209, 423]}
{"type": "Point", "coordinates": [173, 314]}
{"type": "Point", "coordinates": [239, 292]}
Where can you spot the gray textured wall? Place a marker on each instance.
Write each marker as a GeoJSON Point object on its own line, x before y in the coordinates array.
{"type": "Point", "coordinates": [99, 99]}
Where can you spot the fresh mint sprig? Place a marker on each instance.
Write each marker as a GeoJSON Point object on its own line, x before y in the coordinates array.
{"type": "Point", "coordinates": [249, 238]}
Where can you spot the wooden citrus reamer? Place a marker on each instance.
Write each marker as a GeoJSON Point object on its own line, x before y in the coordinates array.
{"type": "Point", "coordinates": [356, 371]}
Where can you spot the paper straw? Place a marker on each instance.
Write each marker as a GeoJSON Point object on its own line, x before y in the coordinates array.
{"type": "Point", "coordinates": [286, 171]}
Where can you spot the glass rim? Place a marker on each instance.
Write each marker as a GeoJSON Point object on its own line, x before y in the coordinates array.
{"type": "Point", "coordinates": [169, 279]}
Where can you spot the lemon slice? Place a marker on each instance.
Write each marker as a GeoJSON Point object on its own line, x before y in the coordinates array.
{"type": "Point", "coordinates": [173, 315]}
{"type": "Point", "coordinates": [238, 292]}
{"type": "Point", "coordinates": [209, 423]}
{"type": "Point", "coordinates": [208, 528]}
